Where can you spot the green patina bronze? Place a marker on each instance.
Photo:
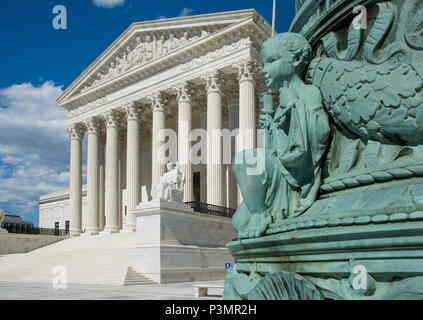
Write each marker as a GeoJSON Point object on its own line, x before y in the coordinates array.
{"type": "Point", "coordinates": [340, 185]}
{"type": "Point", "coordinates": [297, 136]}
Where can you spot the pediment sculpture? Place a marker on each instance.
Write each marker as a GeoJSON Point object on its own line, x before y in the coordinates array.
{"type": "Point", "coordinates": [171, 186]}
{"type": "Point", "coordinates": [142, 51]}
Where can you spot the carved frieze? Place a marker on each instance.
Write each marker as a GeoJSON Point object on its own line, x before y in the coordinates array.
{"type": "Point", "coordinates": [87, 107]}
{"type": "Point", "coordinates": [216, 54]}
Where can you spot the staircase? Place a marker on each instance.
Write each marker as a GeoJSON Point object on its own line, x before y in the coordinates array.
{"type": "Point", "coordinates": [135, 278]}
{"type": "Point", "coordinates": [102, 260]}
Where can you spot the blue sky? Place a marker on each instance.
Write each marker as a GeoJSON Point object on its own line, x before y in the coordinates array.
{"type": "Point", "coordinates": [38, 62]}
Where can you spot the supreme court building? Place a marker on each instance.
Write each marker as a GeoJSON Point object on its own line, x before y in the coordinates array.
{"type": "Point", "coordinates": [180, 74]}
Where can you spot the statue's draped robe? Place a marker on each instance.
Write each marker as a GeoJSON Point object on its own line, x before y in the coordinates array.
{"type": "Point", "coordinates": [292, 177]}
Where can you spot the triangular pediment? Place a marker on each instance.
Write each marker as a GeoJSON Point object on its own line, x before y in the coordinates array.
{"type": "Point", "coordinates": [144, 42]}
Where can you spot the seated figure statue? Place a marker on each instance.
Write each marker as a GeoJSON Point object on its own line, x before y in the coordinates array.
{"type": "Point", "coordinates": [2, 216]}
{"type": "Point", "coordinates": [171, 187]}
{"type": "Point", "coordinates": [296, 139]}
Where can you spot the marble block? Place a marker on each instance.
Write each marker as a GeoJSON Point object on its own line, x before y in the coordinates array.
{"type": "Point", "coordinates": [175, 244]}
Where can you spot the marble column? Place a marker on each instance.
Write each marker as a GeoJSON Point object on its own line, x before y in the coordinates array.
{"type": "Point", "coordinates": [158, 166]}
{"type": "Point", "coordinates": [102, 187]}
{"type": "Point", "coordinates": [214, 145]}
{"type": "Point", "coordinates": [122, 175]}
{"type": "Point", "coordinates": [112, 173]}
{"type": "Point", "coordinates": [233, 119]}
{"type": "Point", "coordinates": [76, 133]}
{"type": "Point", "coordinates": [93, 177]}
{"type": "Point", "coordinates": [133, 185]}
{"type": "Point", "coordinates": [246, 70]}
{"type": "Point", "coordinates": [203, 172]}
{"type": "Point", "coordinates": [184, 98]}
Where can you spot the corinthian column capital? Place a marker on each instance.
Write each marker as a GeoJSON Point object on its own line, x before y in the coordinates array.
{"type": "Point", "coordinates": [184, 91]}
{"type": "Point", "coordinates": [113, 119]}
{"type": "Point", "coordinates": [214, 81]}
{"type": "Point", "coordinates": [93, 125]}
{"type": "Point", "coordinates": [158, 101]}
{"type": "Point", "coordinates": [246, 69]}
{"type": "Point", "coordinates": [132, 111]}
{"type": "Point", "coordinates": [76, 131]}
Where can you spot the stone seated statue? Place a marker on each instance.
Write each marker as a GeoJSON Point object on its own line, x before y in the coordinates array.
{"type": "Point", "coordinates": [2, 216]}
{"type": "Point", "coordinates": [171, 187]}
{"type": "Point", "coordinates": [285, 177]}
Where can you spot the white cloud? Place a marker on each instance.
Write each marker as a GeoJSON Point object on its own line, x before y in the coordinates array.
{"type": "Point", "coordinates": [108, 3]}
{"type": "Point", "coordinates": [34, 145]}
{"type": "Point", "coordinates": [185, 12]}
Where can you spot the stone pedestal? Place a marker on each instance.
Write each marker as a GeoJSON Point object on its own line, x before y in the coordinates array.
{"type": "Point", "coordinates": [175, 244]}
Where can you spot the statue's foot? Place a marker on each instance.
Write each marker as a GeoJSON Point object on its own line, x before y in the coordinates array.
{"type": "Point", "coordinates": [256, 226]}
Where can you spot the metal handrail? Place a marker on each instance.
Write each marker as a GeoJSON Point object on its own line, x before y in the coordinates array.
{"type": "Point", "coordinates": [211, 209]}
{"type": "Point", "coordinates": [22, 229]}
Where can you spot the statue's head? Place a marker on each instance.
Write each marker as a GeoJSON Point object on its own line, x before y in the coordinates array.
{"type": "Point", "coordinates": [284, 55]}
{"type": "Point", "coordinates": [170, 166]}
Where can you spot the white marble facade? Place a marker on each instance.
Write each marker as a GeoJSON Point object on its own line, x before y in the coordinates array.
{"type": "Point", "coordinates": [181, 74]}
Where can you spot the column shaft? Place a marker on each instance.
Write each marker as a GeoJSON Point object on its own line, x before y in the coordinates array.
{"type": "Point", "coordinates": [158, 166]}
{"type": "Point", "coordinates": [247, 107]}
{"type": "Point", "coordinates": [247, 114]}
{"type": "Point", "coordinates": [232, 191]}
{"type": "Point", "coordinates": [184, 91]}
{"type": "Point", "coordinates": [93, 181]}
{"type": "Point", "coordinates": [76, 133]}
{"type": "Point", "coordinates": [214, 148]}
{"type": "Point", "coordinates": [102, 188]}
{"type": "Point", "coordinates": [133, 188]}
{"type": "Point", "coordinates": [112, 175]}
{"type": "Point", "coordinates": [203, 173]}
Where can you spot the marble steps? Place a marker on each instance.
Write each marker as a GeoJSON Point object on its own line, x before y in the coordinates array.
{"type": "Point", "coordinates": [134, 278]}
{"type": "Point", "coordinates": [102, 259]}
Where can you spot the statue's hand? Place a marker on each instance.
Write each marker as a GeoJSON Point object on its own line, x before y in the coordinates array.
{"type": "Point", "coordinates": [265, 120]}
{"type": "Point", "coordinates": [287, 96]}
